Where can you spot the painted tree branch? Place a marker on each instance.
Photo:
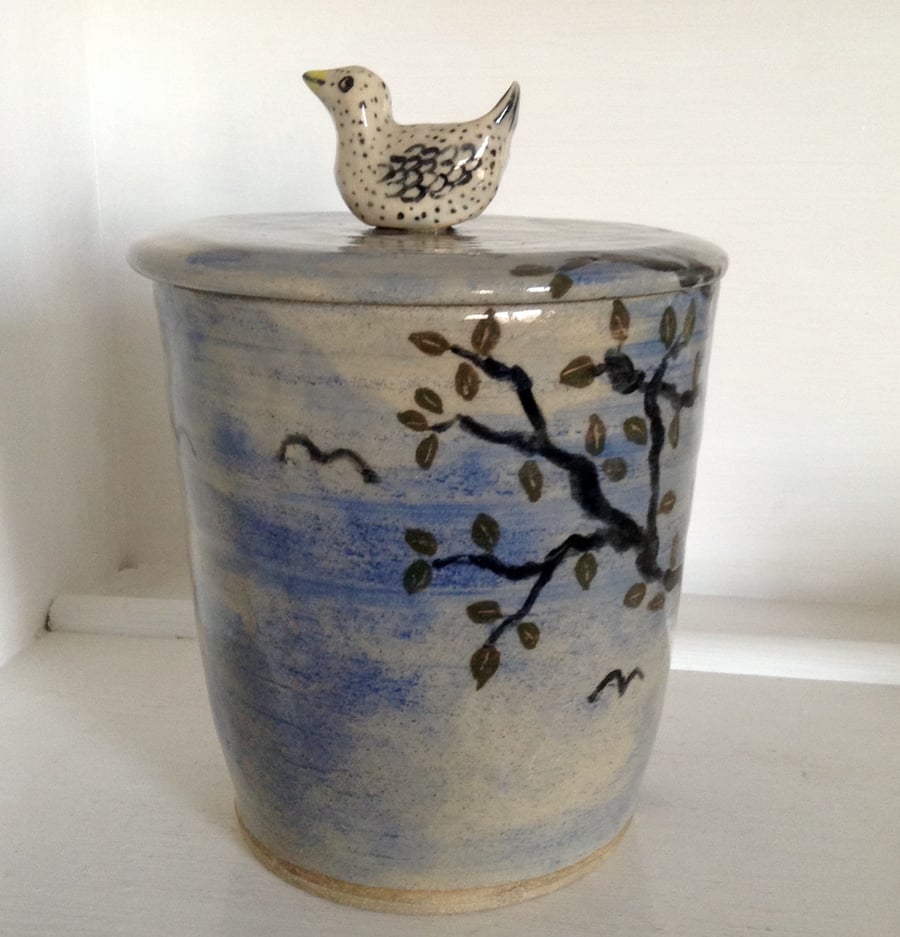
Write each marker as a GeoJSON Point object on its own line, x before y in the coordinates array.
{"type": "Point", "coordinates": [618, 530]}
{"type": "Point", "coordinates": [542, 572]}
{"type": "Point", "coordinates": [584, 480]}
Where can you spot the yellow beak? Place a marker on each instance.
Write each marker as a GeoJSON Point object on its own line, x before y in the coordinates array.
{"type": "Point", "coordinates": [315, 78]}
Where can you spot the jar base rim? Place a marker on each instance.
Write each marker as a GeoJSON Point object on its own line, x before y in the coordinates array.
{"type": "Point", "coordinates": [425, 901]}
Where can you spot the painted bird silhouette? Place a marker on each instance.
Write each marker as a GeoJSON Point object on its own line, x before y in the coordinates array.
{"type": "Point", "coordinates": [411, 176]}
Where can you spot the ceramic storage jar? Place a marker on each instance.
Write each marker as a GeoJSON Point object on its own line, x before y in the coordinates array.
{"type": "Point", "coordinates": [438, 487]}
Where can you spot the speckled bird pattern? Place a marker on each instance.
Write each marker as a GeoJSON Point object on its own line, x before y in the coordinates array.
{"type": "Point", "coordinates": [422, 177]}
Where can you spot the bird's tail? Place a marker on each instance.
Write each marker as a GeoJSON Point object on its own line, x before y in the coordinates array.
{"type": "Point", "coordinates": [506, 110]}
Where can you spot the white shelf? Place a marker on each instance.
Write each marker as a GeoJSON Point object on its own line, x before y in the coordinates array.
{"type": "Point", "coordinates": [770, 806]}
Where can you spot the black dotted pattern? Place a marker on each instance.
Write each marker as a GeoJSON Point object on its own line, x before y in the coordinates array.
{"type": "Point", "coordinates": [432, 171]}
{"type": "Point", "coordinates": [413, 176]}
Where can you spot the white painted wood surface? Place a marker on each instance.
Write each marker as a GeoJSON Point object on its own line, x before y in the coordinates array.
{"type": "Point", "coordinates": [152, 600]}
{"type": "Point", "coordinates": [770, 806]}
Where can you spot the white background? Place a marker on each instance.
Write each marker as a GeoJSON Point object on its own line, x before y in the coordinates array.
{"type": "Point", "coordinates": [771, 128]}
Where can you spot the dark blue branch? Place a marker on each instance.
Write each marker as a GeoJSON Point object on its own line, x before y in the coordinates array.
{"type": "Point", "coordinates": [647, 561]}
{"type": "Point", "coordinates": [515, 375]}
{"type": "Point", "coordinates": [584, 481]}
{"type": "Point", "coordinates": [542, 572]}
{"type": "Point", "coordinates": [622, 531]}
{"type": "Point", "coordinates": [575, 543]}
{"type": "Point", "coordinates": [490, 562]}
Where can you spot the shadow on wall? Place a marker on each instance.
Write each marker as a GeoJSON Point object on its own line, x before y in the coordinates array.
{"type": "Point", "coordinates": [57, 520]}
{"type": "Point", "coordinates": [57, 512]}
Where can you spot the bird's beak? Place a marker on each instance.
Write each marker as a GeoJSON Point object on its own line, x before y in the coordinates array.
{"type": "Point", "coordinates": [315, 79]}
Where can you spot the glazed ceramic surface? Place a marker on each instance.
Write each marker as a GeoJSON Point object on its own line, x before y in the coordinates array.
{"type": "Point", "coordinates": [437, 545]}
{"type": "Point", "coordinates": [411, 176]}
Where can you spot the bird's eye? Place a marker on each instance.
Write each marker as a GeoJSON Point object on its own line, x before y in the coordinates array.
{"type": "Point", "coordinates": [346, 83]}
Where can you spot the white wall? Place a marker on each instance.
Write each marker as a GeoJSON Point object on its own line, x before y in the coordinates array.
{"type": "Point", "coordinates": [58, 485]}
{"type": "Point", "coordinates": [771, 127]}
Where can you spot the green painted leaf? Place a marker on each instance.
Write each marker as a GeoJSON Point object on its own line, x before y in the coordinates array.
{"type": "Point", "coordinates": [431, 343]}
{"type": "Point", "coordinates": [698, 364]}
{"type": "Point", "coordinates": [413, 420]}
{"type": "Point", "coordinates": [426, 451]}
{"type": "Point", "coordinates": [422, 541]}
{"type": "Point", "coordinates": [615, 469]}
{"type": "Point", "coordinates": [486, 334]}
{"type": "Point", "coordinates": [532, 270]}
{"type": "Point", "coordinates": [619, 322]}
{"type": "Point", "coordinates": [529, 634]}
{"type": "Point", "coordinates": [668, 326]}
{"type": "Point", "coordinates": [560, 284]}
{"type": "Point", "coordinates": [532, 480]}
{"type": "Point", "coordinates": [675, 430]}
{"type": "Point", "coordinates": [671, 578]}
{"type": "Point", "coordinates": [467, 381]}
{"type": "Point", "coordinates": [675, 550]}
{"type": "Point", "coordinates": [636, 430]}
{"type": "Point", "coordinates": [484, 612]}
{"type": "Point", "coordinates": [586, 569]}
{"type": "Point", "coordinates": [575, 263]}
{"type": "Point", "coordinates": [428, 400]}
{"type": "Point", "coordinates": [485, 532]}
{"type": "Point", "coordinates": [595, 437]}
{"type": "Point", "coordinates": [417, 576]}
{"type": "Point", "coordinates": [579, 372]}
{"type": "Point", "coordinates": [690, 320]}
{"type": "Point", "coordinates": [635, 595]}
{"type": "Point", "coordinates": [667, 502]}
{"type": "Point", "coordinates": [484, 664]}
{"type": "Point", "coordinates": [658, 602]}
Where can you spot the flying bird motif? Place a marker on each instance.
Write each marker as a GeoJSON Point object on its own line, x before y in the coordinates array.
{"type": "Point", "coordinates": [423, 177]}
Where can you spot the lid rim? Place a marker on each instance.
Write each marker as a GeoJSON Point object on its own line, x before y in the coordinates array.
{"type": "Point", "coordinates": [320, 257]}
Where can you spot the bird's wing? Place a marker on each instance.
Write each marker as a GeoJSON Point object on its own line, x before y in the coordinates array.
{"type": "Point", "coordinates": [433, 170]}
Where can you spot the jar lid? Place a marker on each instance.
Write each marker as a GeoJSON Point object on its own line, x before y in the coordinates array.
{"type": "Point", "coordinates": [330, 257]}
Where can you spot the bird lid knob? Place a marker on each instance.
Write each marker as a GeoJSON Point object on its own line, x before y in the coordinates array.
{"type": "Point", "coordinates": [414, 177]}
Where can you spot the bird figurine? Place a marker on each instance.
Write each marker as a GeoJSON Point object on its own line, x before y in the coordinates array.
{"type": "Point", "coordinates": [418, 177]}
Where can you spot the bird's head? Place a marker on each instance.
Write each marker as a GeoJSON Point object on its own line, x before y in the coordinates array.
{"type": "Point", "coordinates": [353, 94]}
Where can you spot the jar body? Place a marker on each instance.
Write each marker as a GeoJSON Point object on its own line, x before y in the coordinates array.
{"type": "Point", "coordinates": [436, 553]}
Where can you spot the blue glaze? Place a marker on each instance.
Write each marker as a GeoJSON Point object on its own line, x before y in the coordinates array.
{"type": "Point", "coordinates": [221, 259]}
{"type": "Point", "coordinates": [345, 692]}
